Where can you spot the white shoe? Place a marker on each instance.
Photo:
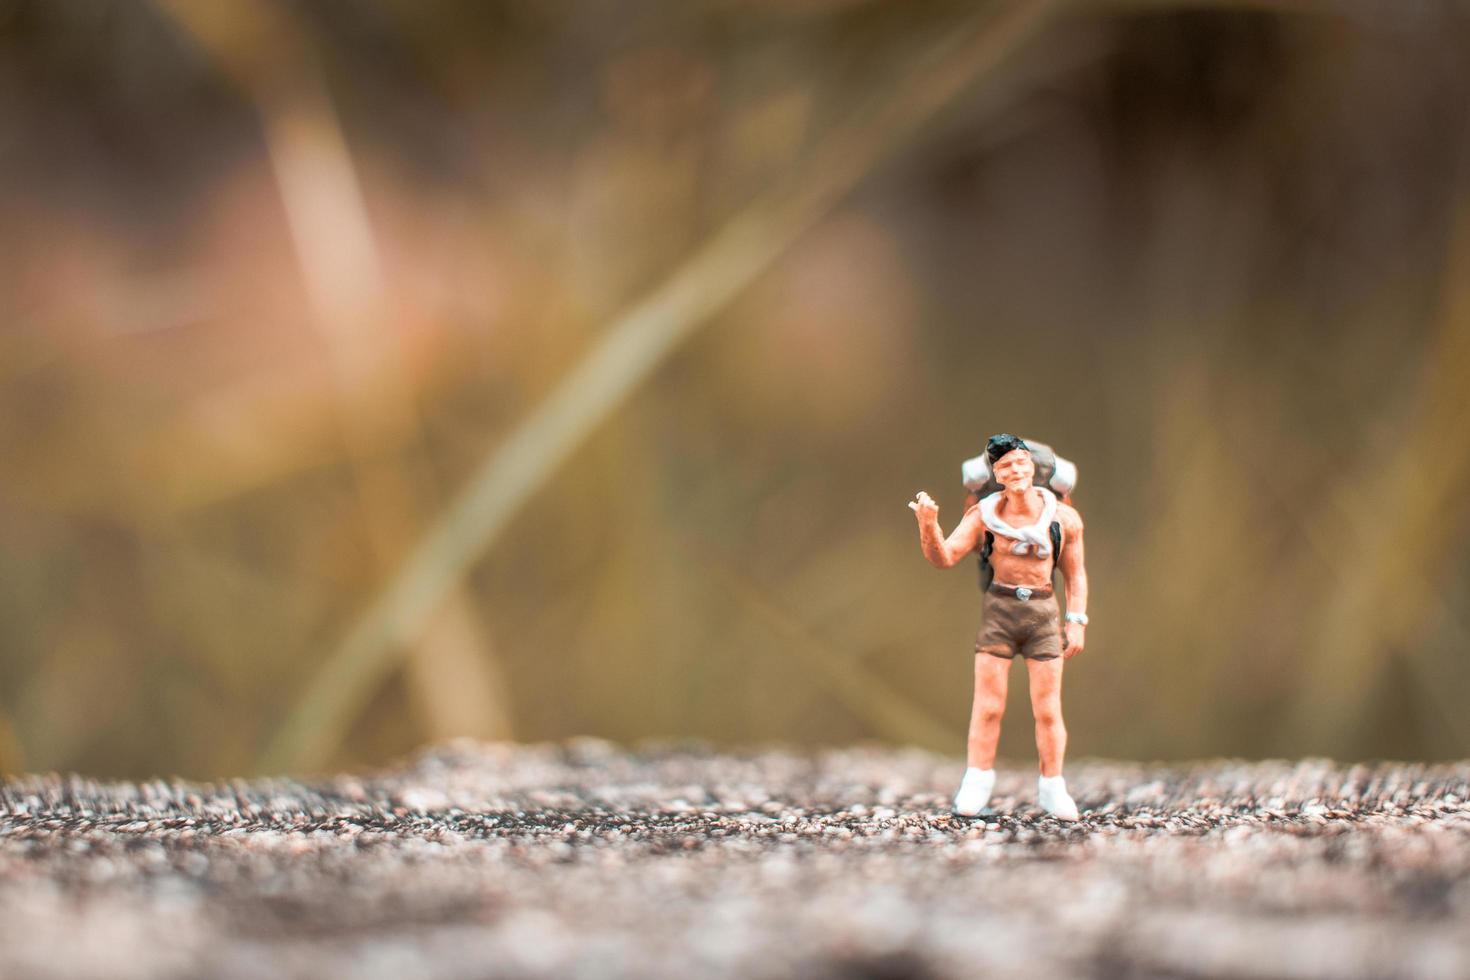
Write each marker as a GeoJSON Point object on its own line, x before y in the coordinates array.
{"type": "Point", "coordinates": [1051, 793]}
{"type": "Point", "coordinates": [974, 791]}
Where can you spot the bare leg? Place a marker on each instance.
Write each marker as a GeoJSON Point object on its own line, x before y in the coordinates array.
{"type": "Point", "coordinates": [992, 678]}
{"type": "Point", "coordinates": [1046, 708]}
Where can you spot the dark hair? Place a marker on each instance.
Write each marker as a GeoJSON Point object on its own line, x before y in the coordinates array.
{"type": "Point", "coordinates": [1003, 443]}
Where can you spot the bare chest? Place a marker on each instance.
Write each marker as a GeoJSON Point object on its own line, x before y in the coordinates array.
{"type": "Point", "coordinates": [1027, 568]}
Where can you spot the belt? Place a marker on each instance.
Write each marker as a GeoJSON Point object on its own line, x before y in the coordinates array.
{"type": "Point", "coordinates": [1022, 592]}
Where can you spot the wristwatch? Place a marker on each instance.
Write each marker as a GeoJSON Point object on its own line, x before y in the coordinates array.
{"type": "Point", "coordinates": [1078, 618]}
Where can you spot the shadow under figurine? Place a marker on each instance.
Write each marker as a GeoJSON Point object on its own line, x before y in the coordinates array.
{"type": "Point", "coordinates": [1022, 532]}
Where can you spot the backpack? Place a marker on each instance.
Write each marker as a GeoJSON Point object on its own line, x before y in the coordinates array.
{"type": "Point", "coordinates": [1052, 471]}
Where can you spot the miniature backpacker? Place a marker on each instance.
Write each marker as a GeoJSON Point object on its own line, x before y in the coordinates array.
{"type": "Point", "coordinates": [1057, 474]}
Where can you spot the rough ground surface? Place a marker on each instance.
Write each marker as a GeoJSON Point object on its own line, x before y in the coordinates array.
{"type": "Point", "coordinates": [582, 860]}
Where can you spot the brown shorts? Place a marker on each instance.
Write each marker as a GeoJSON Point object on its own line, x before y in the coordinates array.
{"type": "Point", "coordinates": [1031, 628]}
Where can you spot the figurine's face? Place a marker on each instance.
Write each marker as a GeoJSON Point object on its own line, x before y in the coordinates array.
{"type": "Point", "coordinates": [1014, 470]}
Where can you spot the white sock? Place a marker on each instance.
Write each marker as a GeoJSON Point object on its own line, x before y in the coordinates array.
{"type": "Point", "coordinates": [1051, 793]}
{"type": "Point", "coordinates": [974, 791]}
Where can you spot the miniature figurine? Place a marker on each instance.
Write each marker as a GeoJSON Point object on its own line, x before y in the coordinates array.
{"type": "Point", "coordinates": [1022, 533]}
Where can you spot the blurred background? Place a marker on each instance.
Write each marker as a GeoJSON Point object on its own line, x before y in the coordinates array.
{"type": "Point", "coordinates": [379, 371]}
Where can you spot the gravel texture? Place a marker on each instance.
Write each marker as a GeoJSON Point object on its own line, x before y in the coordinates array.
{"type": "Point", "coordinates": [584, 860]}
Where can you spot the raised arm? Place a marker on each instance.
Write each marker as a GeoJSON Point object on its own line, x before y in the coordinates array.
{"type": "Point", "coordinates": [1074, 577]}
{"type": "Point", "coordinates": [943, 552]}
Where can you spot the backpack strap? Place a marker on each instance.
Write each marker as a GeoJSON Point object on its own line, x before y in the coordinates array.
{"type": "Point", "coordinates": [1056, 548]}
{"type": "Point", "coordinates": [987, 571]}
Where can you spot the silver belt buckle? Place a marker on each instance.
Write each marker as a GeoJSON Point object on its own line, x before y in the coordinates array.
{"type": "Point", "coordinates": [1023, 593]}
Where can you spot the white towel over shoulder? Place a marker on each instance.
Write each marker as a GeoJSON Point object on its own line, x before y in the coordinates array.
{"type": "Point", "coordinates": [1036, 536]}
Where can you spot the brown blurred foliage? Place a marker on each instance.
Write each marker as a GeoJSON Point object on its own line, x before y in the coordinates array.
{"type": "Point", "coordinates": [280, 278]}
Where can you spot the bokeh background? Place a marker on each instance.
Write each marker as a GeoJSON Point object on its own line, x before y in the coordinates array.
{"type": "Point", "coordinates": [379, 371]}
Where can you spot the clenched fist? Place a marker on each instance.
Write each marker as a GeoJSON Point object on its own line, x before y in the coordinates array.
{"type": "Point", "coordinates": [1076, 636]}
{"type": "Point", "coordinates": [924, 508]}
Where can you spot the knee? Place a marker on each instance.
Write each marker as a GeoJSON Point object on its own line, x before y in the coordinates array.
{"type": "Point", "coordinates": [989, 713]}
{"type": "Point", "coordinates": [1048, 714]}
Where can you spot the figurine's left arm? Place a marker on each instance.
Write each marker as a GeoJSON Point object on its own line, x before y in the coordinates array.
{"type": "Point", "coordinates": [1074, 576]}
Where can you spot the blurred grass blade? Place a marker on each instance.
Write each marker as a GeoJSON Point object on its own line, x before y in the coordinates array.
{"type": "Point", "coordinates": [863, 692]}
{"type": "Point", "coordinates": [633, 345]}
{"type": "Point", "coordinates": [454, 675]}
{"type": "Point", "coordinates": [1402, 520]}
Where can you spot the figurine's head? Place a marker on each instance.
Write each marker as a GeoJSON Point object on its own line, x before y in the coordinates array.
{"type": "Point", "coordinates": [1010, 461]}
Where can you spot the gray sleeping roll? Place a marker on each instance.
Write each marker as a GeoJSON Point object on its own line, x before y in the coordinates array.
{"type": "Point", "coordinates": [1052, 471]}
